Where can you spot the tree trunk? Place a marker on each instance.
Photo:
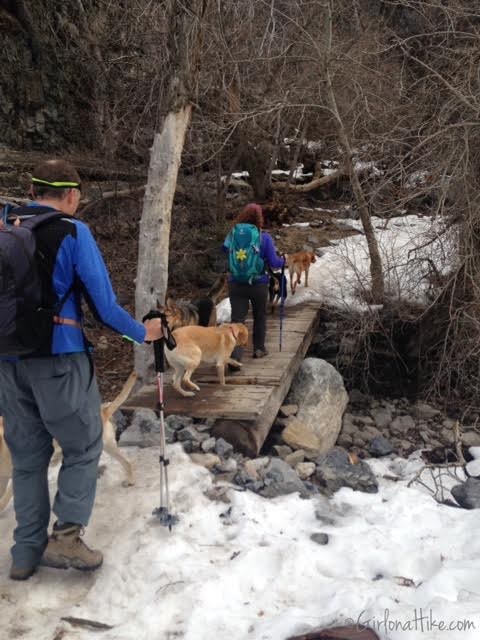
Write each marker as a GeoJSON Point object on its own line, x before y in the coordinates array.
{"type": "Point", "coordinates": [376, 271]}
{"type": "Point", "coordinates": [154, 233]}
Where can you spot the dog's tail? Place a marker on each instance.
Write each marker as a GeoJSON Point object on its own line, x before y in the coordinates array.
{"type": "Point", "coordinates": [218, 288]}
{"type": "Point", "coordinates": [110, 409]}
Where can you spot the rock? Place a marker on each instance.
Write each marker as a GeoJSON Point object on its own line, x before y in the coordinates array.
{"type": "Point", "coordinates": [471, 439]}
{"type": "Point", "coordinates": [251, 470]}
{"type": "Point", "coordinates": [288, 410]}
{"type": "Point", "coordinates": [208, 445]}
{"type": "Point", "coordinates": [120, 420]}
{"type": "Point", "coordinates": [447, 436]}
{"type": "Point", "coordinates": [364, 420]}
{"type": "Point", "coordinates": [467, 494]}
{"type": "Point", "coordinates": [305, 470]}
{"type": "Point", "coordinates": [282, 450]}
{"type": "Point", "coordinates": [448, 423]}
{"type": "Point", "coordinates": [382, 417]}
{"type": "Point", "coordinates": [335, 470]}
{"type": "Point", "coordinates": [319, 538]}
{"type": "Point", "coordinates": [319, 391]}
{"type": "Point", "coordinates": [344, 440]}
{"type": "Point", "coordinates": [368, 433]}
{"type": "Point", "coordinates": [357, 397]}
{"type": "Point", "coordinates": [190, 433]}
{"type": "Point", "coordinates": [379, 447]}
{"type": "Point", "coordinates": [473, 468]}
{"type": "Point", "coordinates": [405, 445]}
{"type": "Point", "coordinates": [207, 460]}
{"type": "Point", "coordinates": [402, 424]}
{"type": "Point", "coordinates": [178, 422]}
{"type": "Point", "coordinates": [348, 426]}
{"type": "Point", "coordinates": [295, 458]}
{"type": "Point", "coordinates": [422, 410]}
{"type": "Point", "coordinates": [280, 479]}
{"type": "Point", "coordinates": [223, 448]}
{"type": "Point", "coordinates": [144, 430]}
{"type": "Point", "coordinates": [190, 446]}
{"type": "Point", "coordinates": [205, 425]}
{"type": "Point", "coordinates": [227, 466]}
{"type": "Point", "coordinates": [300, 436]}
{"type": "Point", "coordinates": [358, 441]}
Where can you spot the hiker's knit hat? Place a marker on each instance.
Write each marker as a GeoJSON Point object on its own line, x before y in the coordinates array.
{"type": "Point", "coordinates": [253, 206]}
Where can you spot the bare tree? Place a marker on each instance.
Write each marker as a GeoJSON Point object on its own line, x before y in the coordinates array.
{"type": "Point", "coordinates": [185, 29]}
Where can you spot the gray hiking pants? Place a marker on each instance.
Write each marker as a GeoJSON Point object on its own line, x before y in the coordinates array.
{"type": "Point", "coordinates": [240, 296]}
{"type": "Point", "coordinates": [42, 399]}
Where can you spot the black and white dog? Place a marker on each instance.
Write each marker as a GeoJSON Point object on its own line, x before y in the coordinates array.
{"type": "Point", "coordinates": [277, 286]}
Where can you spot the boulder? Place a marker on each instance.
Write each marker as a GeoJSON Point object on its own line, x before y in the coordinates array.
{"type": "Point", "coordinates": [379, 447]}
{"type": "Point", "coordinates": [299, 435]}
{"type": "Point", "coordinates": [280, 479]}
{"type": "Point", "coordinates": [335, 470]}
{"type": "Point", "coordinates": [467, 494]}
{"type": "Point", "coordinates": [319, 391]}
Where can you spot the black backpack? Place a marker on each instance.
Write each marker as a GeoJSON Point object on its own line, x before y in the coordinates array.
{"type": "Point", "coordinates": [25, 325]}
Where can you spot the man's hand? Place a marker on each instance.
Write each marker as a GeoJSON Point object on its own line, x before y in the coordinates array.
{"type": "Point", "coordinates": [154, 329]}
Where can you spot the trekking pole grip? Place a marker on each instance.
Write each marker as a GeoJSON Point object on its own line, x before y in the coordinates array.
{"type": "Point", "coordinates": [159, 345]}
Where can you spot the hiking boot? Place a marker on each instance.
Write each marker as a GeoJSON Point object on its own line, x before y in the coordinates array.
{"type": "Point", "coordinates": [65, 549]}
{"type": "Point", "coordinates": [234, 368]}
{"type": "Point", "coordinates": [260, 353]}
{"type": "Point", "coordinates": [17, 573]}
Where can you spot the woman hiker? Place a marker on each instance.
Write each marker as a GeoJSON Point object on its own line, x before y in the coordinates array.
{"type": "Point", "coordinates": [250, 250]}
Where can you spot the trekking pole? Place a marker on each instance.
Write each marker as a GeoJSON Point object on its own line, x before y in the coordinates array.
{"type": "Point", "coordinates": [282, 303]}
{"type": "Point", "coordinates": [163, 511]}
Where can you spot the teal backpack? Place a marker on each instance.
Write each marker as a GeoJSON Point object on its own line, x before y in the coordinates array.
{"type": "Point", "coordinates": [243, 243]}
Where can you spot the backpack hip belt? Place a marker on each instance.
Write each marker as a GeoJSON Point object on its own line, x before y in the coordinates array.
{"type": "Point", "coordinates": [67, 321]}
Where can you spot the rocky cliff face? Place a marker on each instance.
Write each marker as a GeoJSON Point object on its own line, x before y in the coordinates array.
{"type": "Point", "coordinates": [44, 92]}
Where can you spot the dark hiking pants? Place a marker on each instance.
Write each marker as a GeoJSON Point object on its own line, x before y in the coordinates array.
{"type": "Point", "coordinates": [240, 297]}
{"type": "Point", "coordinates": [42, 399]}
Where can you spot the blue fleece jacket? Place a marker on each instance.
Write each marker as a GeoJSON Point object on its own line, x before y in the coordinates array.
{"type": "Point", "coordinates": [78, 258]}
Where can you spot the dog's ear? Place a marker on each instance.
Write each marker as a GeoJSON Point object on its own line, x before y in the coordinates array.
{"type": "Point", "coordinates": [313, 258]}
{"type": "Point", "coordinates": [242, 334]}
{"type": "Point", "coordinates": [170, 304]}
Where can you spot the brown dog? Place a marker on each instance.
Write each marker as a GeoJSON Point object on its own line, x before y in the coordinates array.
{"type": "Point", "coordinates": [109, 445]}
{"type": "Point", "coordinates": [212, 345]}
{"type": "Point", "coordinates": [297, 263]}
{"type": "Point", "coordinates": [200, 311]}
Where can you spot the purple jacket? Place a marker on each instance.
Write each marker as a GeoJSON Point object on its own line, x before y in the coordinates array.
{"type": "Point", "coordinates": [269, 255]}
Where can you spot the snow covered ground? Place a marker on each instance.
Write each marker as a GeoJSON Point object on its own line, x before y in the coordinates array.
{"type": "Point", "coordinates": [249, 569]}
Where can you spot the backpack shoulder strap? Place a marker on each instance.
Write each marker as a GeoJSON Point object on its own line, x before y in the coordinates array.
{"type": "Point", "coordinates": [41, 218]}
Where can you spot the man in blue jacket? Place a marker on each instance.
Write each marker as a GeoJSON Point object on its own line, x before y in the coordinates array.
{"type": "Point", "coordinates": [53, 393]}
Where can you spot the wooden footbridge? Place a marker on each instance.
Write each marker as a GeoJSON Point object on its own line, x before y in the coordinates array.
{"type": "Point", "coordinates": [245, 408]}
